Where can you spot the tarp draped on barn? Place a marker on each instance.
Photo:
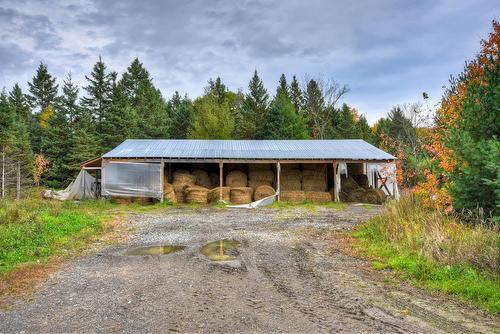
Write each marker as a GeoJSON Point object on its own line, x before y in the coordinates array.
{"type": "Point", "coordinates": [81, 187]}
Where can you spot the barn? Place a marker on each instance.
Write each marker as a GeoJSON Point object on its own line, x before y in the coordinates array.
{"type": "Point", "coordinates": [294, 169]}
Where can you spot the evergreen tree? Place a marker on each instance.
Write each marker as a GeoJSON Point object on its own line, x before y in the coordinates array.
{"type": "Point", "coordinates": [213, 120]}
{"type": "Point", "coordinates": [401, 127]}
{"type": "Point", "coordinates": [147, 100]}
{"type": "Point", "coordinates": [99, 91]}
{"type": "Point", "coordinates": [43, 88]}
{"type": "Point", "coordinates": [283, 86]}
{"type": "Point", "coordinates": [282, 121]}
{"type": "Point", "coordinates": [85, 144]}
{"type": "Point", "coordinates": [181, 116]}
{"type": "Point", "coordinates": [296, 95]}
{"type": "Point", "coordinates": [218, 89]}
{"type": "Point", "coordinates": [68, 102]}
{"type": "Point", "coordinates": [255, 107]}
{"type": "Point", "coordinates": [363, 130]}
{"type": "Point", "coordinates": [314, 108]}
{"type": "Point", "coordinates": [20, 103]}
{"type": "Point", "coordinates": [344, 125]}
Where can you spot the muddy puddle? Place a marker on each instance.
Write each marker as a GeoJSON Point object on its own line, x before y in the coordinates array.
{"type": "Point", "coordinates": [155, 250]}
{"type": "Point", "coordinates": [221, 250]}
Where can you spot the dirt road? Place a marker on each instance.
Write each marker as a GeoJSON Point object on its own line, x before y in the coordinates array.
{"type": "Point", "coordinates": [285, 277]}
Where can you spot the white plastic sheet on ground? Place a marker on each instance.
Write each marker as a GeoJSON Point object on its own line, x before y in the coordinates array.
{"type": "Point", "coordinates": [123, 179]}
{"type": "Point", "coordinates": [261, 202]}
{"type": "Point", "coordinates": [386, 170]}
{"type": "Point", "coordinates": [81, 187]}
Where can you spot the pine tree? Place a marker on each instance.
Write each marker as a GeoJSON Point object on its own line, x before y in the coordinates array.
{"type": "Point", "coordinates": [99, 91]}
{"type": "Point", "coordinates": [68, 102]}
{"type": "Point", "coordinates": [43, 88]}
{"type": "Point", "coordinates": [217, 88]}
{"type": "Point", "coordinates": [363, 130]}
{"type": "Point", "coordinates": [282, 121]}
{"type": "Point", "coordinates": [283, 86]}
{"type": "Point", "coordinates": [296, 95]}
{"type": "Point", "coordinates": [147, 100]}
{"type": "Point", "coordinates": [85, 144]}
{"type": "Point", "coordinates": [314, 108]}
{"type": "Point", "coordinates": [344, 125]}
{"type": "Point", "coordinates": [255, 107]}
{"type": "Point", "coordinates": [181, 116]}
{"type": "Point", "coordinates": [20, 103]}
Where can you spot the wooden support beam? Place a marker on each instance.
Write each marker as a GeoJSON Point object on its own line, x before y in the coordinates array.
{"type": "Point", "coordinates": [221, 178]}
{"type": "Point", "coordinates": [278, 175]}
{"type": "Point", "coordinates": [335, 182]}
{"type": "Point", "coordinates": [162, 180]}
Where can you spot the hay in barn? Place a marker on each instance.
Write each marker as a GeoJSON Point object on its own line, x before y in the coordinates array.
{"type": "Point", "coordinates": [318, 196]}
{"type": "Point", "coordinates": [236, 179]}
{"type": "Point", "coordinates": [169, 193]}
{"type": "Point", "coordinates": [291, 179]}
{"type": "Point", "coordinates": [184, 177]}
{"type": "Point", "coordinates": [122, 200]}
{"type": "Point", "coordinates": [232, 167]}
{"type": "Point", "coordinates": [294, 196]}
{"type": "Point", "coordinates": [287, 166]}
{"type": "Point", "coordinates": [371, 196]}
{"type": "Point", "coordinates": [255, 184]}
{"type": "Point", "coordinates": [320, 168]}
{"type": "Point", "coordinates": [241, 195]}
{"type": "Point", "coordinates": [179, 191]}
{"type": "Point", "coordinates": [313, 181]}
{"type": "Point", "coordinates": [138, 200]}
{"type": "Point", "coordinates": [261, 175]}
{"type": "Point", "coordinates": [214, 180]}
{"type": "Point", "coordinates": [254, 167]}
{"type": "Point", "coordinates": [347, 184]}
{"type": "Point", "coordinates": [381, 195]}
{"type": "Point", "coordinates": [213, 195]}
{"type": "Point", "coordinates": [357, 195]}
{"type": "Point", "coordinates": [263, 191]}
{"type": "Point", "coordinates": [344, 197]}
{"type": "Point", "coordinates": [202, 178]}
{"type": "Point", "coordinates": [361, 179]}
{"type": "Point", "coordinates": [196, 194]}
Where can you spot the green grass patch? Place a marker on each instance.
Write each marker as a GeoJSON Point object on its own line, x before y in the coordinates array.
{"type": "Point", "coordinates": [469, 283]}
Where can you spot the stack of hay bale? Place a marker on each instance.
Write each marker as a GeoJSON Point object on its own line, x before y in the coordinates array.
{"type": "Point", "coordinates": [262, 192]}
{"type": "Point", "coordinates": [314, 183]}
{"type": "Point", "coordinates": [196, 194]}
{"type": "Point", "coordinates": [291, 184]}
{"type": "Point", "coordinates": [355, 188]}
{"type": "Point", "coordinates": [169, 193]}
{"type": "Point", "coordinates": [202, 178]}
{"type": "Point", "coordinates": [181, 180]}
{"type": "Point", "coordinates": [214, 194]}
{"type": "Point", "coordinates": [237, 181]}
{"type": "Point", "coordinates": [260, 175]}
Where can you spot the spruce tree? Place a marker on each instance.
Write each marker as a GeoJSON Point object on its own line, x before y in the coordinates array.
{"type": "Point", "coordinates": [212, 120]}
{"type": "Point", "coordinates": [181, 116]}
{"type": "Point", "coordinates": [20, 103]}
{"type": "Point", "coordinates": [255, 107]}
{"type": "Point", "coordinates": [99, 91]}
{"type": "Point", "coordinates": [344, 125]}
{"type": "Point", "coordinates": [68, 102]}
{"type": "Point", "coordinates": [296, 95]}
{"type": "Point", "coordinates": [43, 88]}
{"type": "Point", "coordinates": [283, 86]}
{"type": "Point", "coordinates": [314, 108]}
{"type": "Point", "coordinates": [363, 130]}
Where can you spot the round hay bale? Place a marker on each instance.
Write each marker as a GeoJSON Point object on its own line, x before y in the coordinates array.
{"type": "Point", "coordinates": [261, 175]}
{"type": "Point", "coordinates": [241, 195]}
{"type": "Point", "coordinates": [167, 188]}
{"type": "Point", "coordinates": [314, 167]}
{"type": "Point", "coordinates": [255, 184]}
{"type": "Point", "coordinates": [318, 196]}
{"type": "Point", "coordinates": [234, 166]}
{"type": "Point", "coordinates": [213, 195]}
{"type": "Point", "coordinates": [236, 179]}
{"type": "Point", "coordinates": [214, 180]}
{"type": "Point", "coordinates": [254, 167]}
{"type": "Point", "coordinates": [179, 191]}
{"type": "Point", "coordinates": [295, 197]}
{"type": "Point", "coordinates": [263, 191]}
{"type": "Point", "coordinates": [348, 184]}
{"type": "Point", "coordinates": [202, 178]}
{"type": "Point", "coordinates": [344, 197]}
{"type": "Point", "coordinates": [196, 194]}
{"type": "Point", "coordinates": [171, 197]}
{"type": "Point", "coordinates": [361, 179]}
{"type": "Point", "coordinates": [357, 195]}
{"type": "Point", "coordinates": [183, 176]}
{"type": "Point", "coordinates": [381, 195]}
{"type": "Point", "coordinates": [372, 197]}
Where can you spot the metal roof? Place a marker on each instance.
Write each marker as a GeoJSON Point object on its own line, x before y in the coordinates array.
{"type": "Point", "coordinates": [348, 149]}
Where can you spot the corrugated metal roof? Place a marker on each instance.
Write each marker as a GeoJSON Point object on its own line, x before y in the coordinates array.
{"type": "Point", "coordinates": [349, 149]}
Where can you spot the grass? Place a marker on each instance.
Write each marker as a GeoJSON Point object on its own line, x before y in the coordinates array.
{"type": "Point", "coordinates": [435, 251]}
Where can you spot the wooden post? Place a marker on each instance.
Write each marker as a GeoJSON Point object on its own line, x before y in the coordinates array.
{"type": "Point", "coordinates": [278, 174]}
{"type": "Point", "coordinates": [18, 185]}
{"type": "Point", "coordinates": [162, 180]}
{"type": "Point", "coordinates": [221, 178]}
{"type": "Point", "coordinates": [335, 183]}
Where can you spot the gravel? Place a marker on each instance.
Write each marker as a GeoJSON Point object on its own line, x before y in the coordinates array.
{"type": "Point", "coordinates": [287, 277]}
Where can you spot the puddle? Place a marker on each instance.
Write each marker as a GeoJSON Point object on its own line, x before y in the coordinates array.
{"type": "Point", "coordinates": [221, 250]}
{"type": "Point", "coordinates": [155, 250]}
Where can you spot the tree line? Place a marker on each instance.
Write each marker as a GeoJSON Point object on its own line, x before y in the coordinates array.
{"type": "Point", "coordinates": [53, 127]}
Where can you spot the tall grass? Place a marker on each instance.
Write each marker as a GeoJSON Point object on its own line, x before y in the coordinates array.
{"type": "Point", "coordinates": [436, 250]}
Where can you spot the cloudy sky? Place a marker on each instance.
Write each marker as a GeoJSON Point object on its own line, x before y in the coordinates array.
{"type": "Point", "coordinates": [387, 51]}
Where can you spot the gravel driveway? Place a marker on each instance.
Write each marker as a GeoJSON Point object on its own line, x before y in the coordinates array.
{"type": "Point", "coordinates": [286, 277]}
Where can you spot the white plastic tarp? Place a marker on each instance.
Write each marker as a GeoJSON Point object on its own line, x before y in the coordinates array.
{"type": "Point", "coordinates": [261, 202]}
{"type": "Point", "coordinates": [81, 187]}
{"type": "Point", "coordinates": [124, 179]}
{"type": "Point", "coordinates": [388, 172]}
